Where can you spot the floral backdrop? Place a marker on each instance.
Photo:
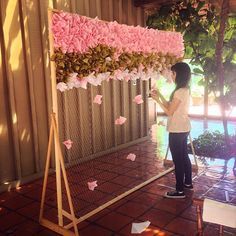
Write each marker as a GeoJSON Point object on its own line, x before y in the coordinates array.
{"type": "Point", "coordinates": [90, 50]}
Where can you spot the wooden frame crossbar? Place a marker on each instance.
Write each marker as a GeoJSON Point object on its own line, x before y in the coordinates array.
{"type": "Point", "coordinates": [64, 229]}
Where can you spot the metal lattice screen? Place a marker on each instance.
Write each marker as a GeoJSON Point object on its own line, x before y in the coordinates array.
{"type": "Point", "coordinates": [100, 147]}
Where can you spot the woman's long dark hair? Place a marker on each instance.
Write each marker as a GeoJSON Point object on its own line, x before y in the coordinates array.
{"type": "Point", "coordinates": [183, 75]}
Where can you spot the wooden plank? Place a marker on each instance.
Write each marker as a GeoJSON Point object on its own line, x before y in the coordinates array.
{"type": "Point", "coordinates": [62, 166]}
{"type": "Point", "coordinates": [8, 28]}
{"type": "Point", "coordinates": [9, 167]}
{"type": "Point", "coordinates": [46, 171]}
{"type": "Point", "coordinates": [80, 8]}
{"type": "Point", "coordinates": [29, 75]}
{"type": "Point", "coordinates": [98, 121]}
{"type": "Point", "coordinates": [55, 111]}
{"type": "Point", "coordinates": [99, 9]}
{"type": "Point", "coordinates": [140, 110]}
{"type": "Point", "coordinates": [54, 227]}
{"type": "Point", "coordinates": [87, 7]}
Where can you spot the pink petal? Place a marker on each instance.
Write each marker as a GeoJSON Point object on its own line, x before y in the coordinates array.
{"type": "Point", "coordinates": [131, 157]}
{"type": "Point", "coordinates": [120, 121]}
{"type": "Point", "coordinates": [68, 143]}
{"type": "Point", "coordinates": [98, 99]}
{"type": "Point", "coordinates": [92, 185]}
{"type": "Point", "coordinates": [62, 86]}
{"type": "Point", "coordinates": [138, 99]}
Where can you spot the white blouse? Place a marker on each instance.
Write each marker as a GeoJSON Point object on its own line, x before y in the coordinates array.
{"type": "Point", "coordinates": [179, 122]}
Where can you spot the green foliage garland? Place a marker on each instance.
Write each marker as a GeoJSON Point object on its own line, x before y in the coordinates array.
{"type": "Point", "coordinates": [102, 59]}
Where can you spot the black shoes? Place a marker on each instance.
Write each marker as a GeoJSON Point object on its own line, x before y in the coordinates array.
{"type": "Point", "coordinates": [188, 186]}
{"type": "Point", "coordinates": [175, 194]}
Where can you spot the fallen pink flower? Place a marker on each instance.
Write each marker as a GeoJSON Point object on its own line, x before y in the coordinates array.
{"type": "Point", "coordinates": [131, 157]}
{"type": "Point", "coordinates": [92, 185]}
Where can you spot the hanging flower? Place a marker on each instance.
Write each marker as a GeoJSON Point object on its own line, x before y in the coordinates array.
{"type": "Point", "coordinates": [91, 51]}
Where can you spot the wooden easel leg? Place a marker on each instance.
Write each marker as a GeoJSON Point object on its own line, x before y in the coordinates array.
{"type": "Point", "coordinates": [193, 151]}
{"type": "Point", "coordinates": [199, 221]}
{"type": "Point", "coordinates": [46, 170]}
{"type": "Point", "coordinates": [167, 151]}
{"type": "Point", "coordinates": [221, 231]}
{"type": "Point", "coordinates": [58, 170]}
{"type": "Point", "coordinates": [62, 166]}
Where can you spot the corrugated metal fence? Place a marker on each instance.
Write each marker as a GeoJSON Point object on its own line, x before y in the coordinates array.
{"type": "Point", "coordinates": [26, 97]}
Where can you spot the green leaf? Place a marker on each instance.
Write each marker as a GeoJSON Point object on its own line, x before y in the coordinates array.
{"type": "Point", "coordinates": [198, 71]}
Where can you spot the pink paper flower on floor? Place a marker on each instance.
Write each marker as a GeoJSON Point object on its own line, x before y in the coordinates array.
{"type": "Point", "coordinates": [131, 157]}
{"type": "Point", "coordinates": [92, 185]}
{"type": "Point", "coordinates": [68, 143]}
{"type": "Point", "coordinates": [98, 99]}
{"type": "Point", "coordinates": [138, 99]}
{"type": "Point", "coordinates": [120, 121]}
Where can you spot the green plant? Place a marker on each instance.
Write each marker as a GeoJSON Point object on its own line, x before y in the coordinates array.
{"type": "Point", "coordinates": [199, 22]}
{"type": "Point", "coordinates": [213, 144]}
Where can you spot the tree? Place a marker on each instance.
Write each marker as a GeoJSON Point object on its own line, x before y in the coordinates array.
{"type": "Point", "coordinates": [199, 22]}
{"type": "Point", "coordinates": [219, 62]}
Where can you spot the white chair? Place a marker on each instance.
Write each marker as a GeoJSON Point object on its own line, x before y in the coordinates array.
{"type": "Point", "coordinates": [215, 212]}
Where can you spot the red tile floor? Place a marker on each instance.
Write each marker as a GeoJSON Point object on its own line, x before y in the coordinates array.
{"type": "Point", "coordinates": [19, 209]}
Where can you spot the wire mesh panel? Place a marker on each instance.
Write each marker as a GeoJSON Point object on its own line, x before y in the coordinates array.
{"type": "Point", "coordinates": [101, 152]}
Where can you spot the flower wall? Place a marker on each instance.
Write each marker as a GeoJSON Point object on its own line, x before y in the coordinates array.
{"type": "Point", "coordinates": [90, 50]}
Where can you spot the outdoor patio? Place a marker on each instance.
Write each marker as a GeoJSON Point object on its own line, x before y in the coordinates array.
{"type": "Point", "coordinates": [19, 209]}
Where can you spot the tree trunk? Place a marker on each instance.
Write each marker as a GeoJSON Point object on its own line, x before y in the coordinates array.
{"type": "Point", "coordinates": [219, 62]}
{"type": "Point", "coordinates": [206, 91]}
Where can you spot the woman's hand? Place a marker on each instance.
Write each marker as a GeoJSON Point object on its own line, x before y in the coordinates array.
{"type": "Point", "coordinates": [155, 94]}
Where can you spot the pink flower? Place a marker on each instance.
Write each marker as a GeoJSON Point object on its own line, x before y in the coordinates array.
{"type": "Point", "coordinates": [138, 99]}
{"type": "Point", "coordinates": [120, 121]}
{"type": "Point", "coordinates": [131, 157]}
{"type": "Point", "coordinates": [75, 33]}
{"type": "Point", "coordinates": [92, 185]}
{"type": "Point", "coordinates": [62, 86]}
{"type": "Point", "coordinates": [98, 99]}
{"type": "Point", "coordinates": [68, 143]}
{"type": "Point", "coordinates": [83, 84]}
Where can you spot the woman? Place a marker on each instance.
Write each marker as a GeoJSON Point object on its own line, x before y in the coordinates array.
{"type": "Point", "coordinates": [178, 126]}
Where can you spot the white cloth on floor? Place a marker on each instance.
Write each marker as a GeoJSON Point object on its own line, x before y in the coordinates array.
{"type": "Point", "coordinates": [138, 228]}
{"type": "Point", "coordinates": [219, 213]}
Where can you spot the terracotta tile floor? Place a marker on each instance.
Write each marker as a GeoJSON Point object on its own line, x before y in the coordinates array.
{"type": "Point", "coordinates": [19, 209]}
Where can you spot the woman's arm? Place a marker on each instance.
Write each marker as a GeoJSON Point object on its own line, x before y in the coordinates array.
{"type": "Point", "coordinates": [156, 92]}
{"type": "Point", "coordinates": [168, 107]}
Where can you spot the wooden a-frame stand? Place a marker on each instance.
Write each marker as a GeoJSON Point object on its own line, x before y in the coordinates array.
{"type": "Point", "coordinates": [60, 227]}
{"type": "Point", "coordinates": [170, 162]}
{"type": "Point", "coordinates": [59, 161]}
{"type": "Point", "coordinates": [60, 169]}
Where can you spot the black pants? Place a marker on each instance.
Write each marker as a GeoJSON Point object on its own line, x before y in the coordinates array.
{"type": "Point", "coordinates": [183, 167]}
